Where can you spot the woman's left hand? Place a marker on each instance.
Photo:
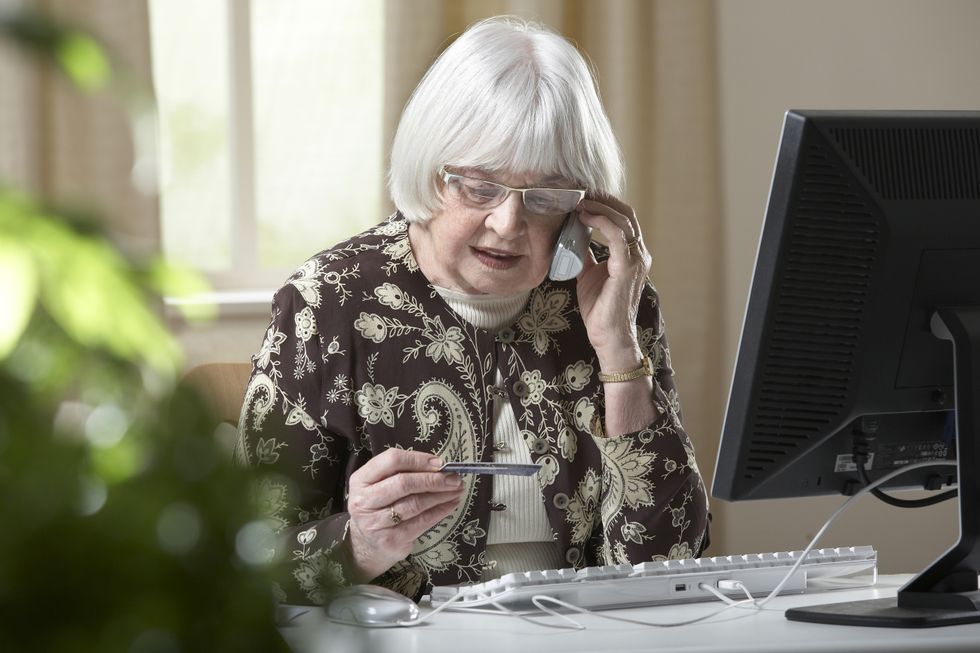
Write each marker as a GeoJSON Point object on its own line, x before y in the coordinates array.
{"type": "Point", "coordinates": [609, 292]}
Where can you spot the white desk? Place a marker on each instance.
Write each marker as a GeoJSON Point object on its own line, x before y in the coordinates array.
{"type": "Point", "coordinates": [736, 630]}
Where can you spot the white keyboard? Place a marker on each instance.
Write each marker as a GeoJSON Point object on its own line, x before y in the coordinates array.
{"type": "Point", "coordinates": [670, 581]}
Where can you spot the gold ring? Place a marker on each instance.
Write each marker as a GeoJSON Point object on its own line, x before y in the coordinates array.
{"type": "Point", "coordinates": [631, 243]}
{"type": "Point", "coordinates": [395, 517]}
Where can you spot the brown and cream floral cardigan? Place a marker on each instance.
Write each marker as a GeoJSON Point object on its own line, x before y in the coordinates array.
{"type": "Point", "coordinates": [362, 354]}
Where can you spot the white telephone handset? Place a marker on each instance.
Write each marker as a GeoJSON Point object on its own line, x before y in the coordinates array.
{"type": "Point", "coordinates": [570, 250]}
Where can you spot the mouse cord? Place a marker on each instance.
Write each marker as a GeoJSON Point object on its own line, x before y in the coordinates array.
{"type": "Point", "coordinates": [415, 622]}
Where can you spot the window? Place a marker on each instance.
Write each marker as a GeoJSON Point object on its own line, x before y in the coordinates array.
{"type": "Point", "coordinates": [270, 131]}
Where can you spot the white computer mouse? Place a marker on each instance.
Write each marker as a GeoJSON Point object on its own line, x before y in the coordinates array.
{"type": "Point", "coordinates": [371, 606]}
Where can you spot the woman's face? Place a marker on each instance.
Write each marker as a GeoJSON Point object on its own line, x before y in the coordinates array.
{"type": "Point", "coordinates": [498, 251]}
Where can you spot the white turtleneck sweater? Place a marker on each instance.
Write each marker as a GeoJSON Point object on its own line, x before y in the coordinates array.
{"type": "Point", "coordinates": [520, 537]}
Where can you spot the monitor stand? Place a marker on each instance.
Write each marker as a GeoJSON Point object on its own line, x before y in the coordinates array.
{"type": "Point", "coordinates": [946, 593]}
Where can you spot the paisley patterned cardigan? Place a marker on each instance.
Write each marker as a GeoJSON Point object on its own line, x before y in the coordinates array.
{"type": "Point", "coordinates": [362, 354]}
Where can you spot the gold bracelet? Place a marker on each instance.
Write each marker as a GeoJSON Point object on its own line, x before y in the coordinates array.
{"type": "Point", "coordinates": [645, 369]}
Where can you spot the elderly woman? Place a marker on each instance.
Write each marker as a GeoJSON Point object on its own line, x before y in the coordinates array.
{"type": "Point", "coordinates": [437, 337]}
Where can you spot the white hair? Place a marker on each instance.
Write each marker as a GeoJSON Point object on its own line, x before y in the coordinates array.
{"type": "Point", "coordinates": [507, 95]}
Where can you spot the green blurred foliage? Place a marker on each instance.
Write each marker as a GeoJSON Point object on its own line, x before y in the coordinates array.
{"type": "Point", "coordinates": [84, 284]}
{"type": "Point", "coordinates": [125, 545]}
{"type": "Point", "coordinates": [73, 52]}
{"type": "Point", "coordinates": [124, 524]}
{"type": "Point", "coordinates": [81, 57]}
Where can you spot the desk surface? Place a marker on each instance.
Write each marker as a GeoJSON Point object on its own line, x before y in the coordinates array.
{"type": "Point", "coordinates": [735, 630]}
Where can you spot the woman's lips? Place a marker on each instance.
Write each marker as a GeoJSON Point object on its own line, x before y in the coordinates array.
{"type": "Point", "coordinates": [495, 259]}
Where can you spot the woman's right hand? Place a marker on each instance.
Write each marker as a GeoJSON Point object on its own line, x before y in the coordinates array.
{"type": "Point", "coordinates": [394, 498]}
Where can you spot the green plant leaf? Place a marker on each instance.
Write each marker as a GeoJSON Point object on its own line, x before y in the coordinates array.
{"type": "Point", "coordinates": [18, 293]}
{"type": "Point", "coordinates": [91, 293]}
{"type": "Point", "coordinates": [84, 61]}
{"type": "Point", "coordinates": [85, 285]}
{"type": "Point", "coordinates": [178, 281]}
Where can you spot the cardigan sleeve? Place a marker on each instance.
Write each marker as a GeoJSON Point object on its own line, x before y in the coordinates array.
{"type": "Point", "coordinates": [654, 504]}
{"type": "Point", "coordinates": [302, 449]}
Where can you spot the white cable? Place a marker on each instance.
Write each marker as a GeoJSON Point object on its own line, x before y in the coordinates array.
{"type": "Point", "coordinates": [481, 610]}
{"type": "Point", "coordinates": [740, 585]}
{"type": "Point", "coordinates": [538, 600]}
{"type": "Point", "coordinates": [541, 597]}
{"type": "Point", "coordinates": [711, 590]}
{"type": "Point", "coordinates": [575, 625]}
{"type": "Point", "coordinates": [838, 513]}
{"type": "Point", "coordinates": [425, 617]}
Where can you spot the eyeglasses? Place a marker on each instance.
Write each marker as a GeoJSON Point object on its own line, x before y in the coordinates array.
{"type": "Point", "coordinates": [483, 194]}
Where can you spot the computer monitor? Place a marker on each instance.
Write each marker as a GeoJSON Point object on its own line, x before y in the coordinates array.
{"type": "Point", "coordinates": [861, 339]}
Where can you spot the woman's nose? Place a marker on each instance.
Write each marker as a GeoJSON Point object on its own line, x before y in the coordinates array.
{"type": "Point", "coordinates": [507, 220]}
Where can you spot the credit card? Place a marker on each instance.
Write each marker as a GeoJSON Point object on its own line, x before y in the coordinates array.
{"type": "Point", "coordinates": [514, 469]}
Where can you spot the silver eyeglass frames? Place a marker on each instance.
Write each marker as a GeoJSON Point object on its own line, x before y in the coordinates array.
{"type": "Point", "coordinates": [483, 194]}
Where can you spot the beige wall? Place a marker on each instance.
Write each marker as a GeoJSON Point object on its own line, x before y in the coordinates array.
{"type": "Point", "coordinates": [231, 339]}
{"type": "Point", "coordinates": [780, 54]}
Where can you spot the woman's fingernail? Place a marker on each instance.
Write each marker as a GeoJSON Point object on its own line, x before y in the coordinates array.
{"type": "Point", "coordinates": [435, 462]}
{"type": "Point", "coordinates": [453, 480]}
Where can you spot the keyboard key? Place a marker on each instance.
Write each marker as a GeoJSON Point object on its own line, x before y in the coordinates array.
{"type": "Point", "coordinates": [607, 571]}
